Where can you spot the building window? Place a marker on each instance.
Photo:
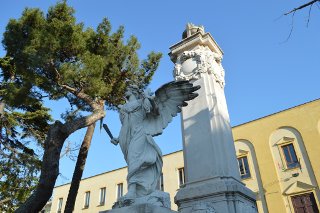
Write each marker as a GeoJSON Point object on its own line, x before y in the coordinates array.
{"type": "Point", "coordinates": [120, 190]}
{"type": "Point", "coordinates": [244, 167]}
{"type": "Point", "coordinates": [304, 203]}
{"type": "Point", "coordinates": [102, 196]}
{"type": "Point", "coordinates": [182, 179]}
{"type": "Point", "coordinates": [160, 185]}
{"type": "Point", "coordinates": [60, 205]}
{"type": "Point", "coordinates": [87, 199]}
{"type": "Point", "coordinates": [290, 156]}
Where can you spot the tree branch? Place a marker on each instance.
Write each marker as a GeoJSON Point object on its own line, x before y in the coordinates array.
{"type": "Point", "coordinates": [80, 123]}
{"type": "Point", "coordinates": [58, 76]}
{"type": "Point", "coordinates": [2, 105]}
{"type": "Point", "coordinates": [74, 91]}
{"type": "Point", "coordinates": [82, 96]}
{"type": "Point", "coordinates": [292, 25]}
{"type": "Point", "coordinates": [302, 6]}
{"type": "Point", "coordinates": [309, 15]}
{"type": "Point", "coordinates": [5, 200]}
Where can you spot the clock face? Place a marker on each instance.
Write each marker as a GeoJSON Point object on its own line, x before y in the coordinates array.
{"type": "Point", "coordinates": [189, 66]}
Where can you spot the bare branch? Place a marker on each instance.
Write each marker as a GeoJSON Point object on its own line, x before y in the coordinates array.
{"type": "Point", "coordinates": [278, 18]}
{"type": "Point", "coordinates": [291, 30]}
{"type": "Point", "coordinates": [69, 151]}
{"type": "Point", "coordinates": [302, 6]}
{"type": "Point", "coordinates": [309, 15]}
{"type": "Point", "coordinates": [66, 150]}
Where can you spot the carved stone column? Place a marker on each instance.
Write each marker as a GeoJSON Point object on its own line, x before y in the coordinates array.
{"type": "Point", "coordinates": [211, 169]}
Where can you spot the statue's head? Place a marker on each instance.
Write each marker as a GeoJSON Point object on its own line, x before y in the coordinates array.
{"type": "Point", "coordinates": [132, 89]}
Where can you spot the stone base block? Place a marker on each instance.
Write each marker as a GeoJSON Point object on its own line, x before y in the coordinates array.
{"type": "Point", "coordinates": [156, 198]}
{"type": "Point", "coordinates": [220, 194]}
{"type": "Point", "coordinates": [140, 208]}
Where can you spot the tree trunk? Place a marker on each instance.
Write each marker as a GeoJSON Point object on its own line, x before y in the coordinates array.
{"type": "Point", "coordinates": [56, 137]}
{"type": "Point", "coordinates": [49, 170]}
{"type": "Point", "coordinates": [77, 174]}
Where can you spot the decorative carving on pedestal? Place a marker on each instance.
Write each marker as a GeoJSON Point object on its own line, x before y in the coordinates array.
{"type": "Point", "coordinates": [203, 207]}
{"type": "Point", "coordinates": [190, 65]}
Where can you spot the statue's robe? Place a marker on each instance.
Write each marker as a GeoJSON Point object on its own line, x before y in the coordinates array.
{"type": "Point", "coordinates": [142, 154]}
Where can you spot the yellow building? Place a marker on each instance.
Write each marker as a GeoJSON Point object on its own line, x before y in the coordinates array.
{"type": "Point", "coordinates": [282, 152]}
{"type": "Point", "coordinates": [278, 155]}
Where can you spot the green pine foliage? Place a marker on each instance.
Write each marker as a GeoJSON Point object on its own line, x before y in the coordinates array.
{"type": "Point", "coordinates": [53, 56]}
{"type": "Point", "coordinates": [23, 125]}
{"type": "Point", "coordinates": [54, 50]}
{"type": "Point", "coordinates": [21, 135]}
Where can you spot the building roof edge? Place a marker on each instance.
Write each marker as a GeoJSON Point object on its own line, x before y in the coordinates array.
{"type": "Point", "coordinates": [272, 114]}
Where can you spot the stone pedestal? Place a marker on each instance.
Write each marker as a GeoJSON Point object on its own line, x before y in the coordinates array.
{"type": "Point", "coordinates": [140, 208]}
{"type": "Point", "coordinates": [156, 198]}
{"type": "Point", "coordinates": [157, 202]}
{"type": "Point", "coordinates": [216, 195]}
{"type": "Point", "coordinates": [211, 168]}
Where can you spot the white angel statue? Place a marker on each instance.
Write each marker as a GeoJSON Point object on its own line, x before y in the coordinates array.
{"type": "Point", "coordinates": [144, 116]}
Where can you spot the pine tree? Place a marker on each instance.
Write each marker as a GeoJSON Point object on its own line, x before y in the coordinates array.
{"type": "Point", "coordinates": [23, 125]}
{"type": "Point", "coordinates": [52, 56]}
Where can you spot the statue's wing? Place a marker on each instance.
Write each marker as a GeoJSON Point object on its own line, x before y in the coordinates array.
{"type": "Point", "coordinates": [167, 103]}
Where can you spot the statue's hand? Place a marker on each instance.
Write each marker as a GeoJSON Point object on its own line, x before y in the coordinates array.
{"type": "Point", "coordinates": [115, 141]}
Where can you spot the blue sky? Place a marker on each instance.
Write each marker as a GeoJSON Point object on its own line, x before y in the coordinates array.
{"type": "Point", "coordinates": [264, 73]}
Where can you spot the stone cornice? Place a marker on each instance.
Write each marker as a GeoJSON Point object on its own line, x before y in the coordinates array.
{"type": "Point", "coordinates": [192, 41]}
